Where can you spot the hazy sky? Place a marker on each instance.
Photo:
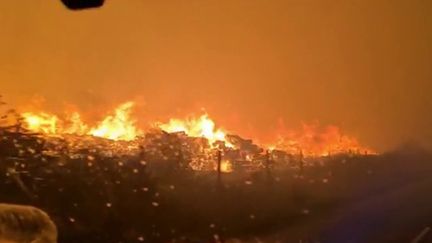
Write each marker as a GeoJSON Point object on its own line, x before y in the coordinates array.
{"type": "Point", "coordinates": [364, 65]}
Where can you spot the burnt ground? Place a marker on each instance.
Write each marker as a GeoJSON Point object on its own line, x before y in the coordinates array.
{"type": "Point", "coordinates": [385, 198]}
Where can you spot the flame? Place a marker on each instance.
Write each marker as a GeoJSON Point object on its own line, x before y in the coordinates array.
{"type": "Point", "coordinates": [197, 127]}
{"type": "Point", "coordinates": [312, 140]}
{"type": "Point", "coordinates": [119, 126]}
{"type": "Point", "coordinates": [40, 122]}
{"type": "Point", "coordinates": [226, 166]}
{"type": "Point", "coordinates": [315, 140]}
{"type": "Point", "coordinates": [77, 126]}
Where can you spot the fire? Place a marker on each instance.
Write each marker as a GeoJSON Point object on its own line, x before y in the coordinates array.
{"type": "Point", "coordinates": [40, 122]}
{"type": "Point", "coordinates": [226, 166]}
{"type": "Point", "coordinates": [197, 127]}
{"type": "Point", "coordinates": [314, 140]}
{"type": "Point", "coordinates": [119, 126]}
{"type": "Point", "coordinates": [76, 126]}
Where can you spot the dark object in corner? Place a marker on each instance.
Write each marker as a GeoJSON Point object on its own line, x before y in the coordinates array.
{"type": "Point", "coordinates": [82, 4]}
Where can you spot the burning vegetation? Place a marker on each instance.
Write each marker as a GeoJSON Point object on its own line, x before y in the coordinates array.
{"type": "Point", "coordinates": [113, 181]}
{"type": "Point", "coordinates": [193, 140]}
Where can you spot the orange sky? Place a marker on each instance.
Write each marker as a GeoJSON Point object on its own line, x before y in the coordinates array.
{"type": "Point", "coordinates": [364, 65]}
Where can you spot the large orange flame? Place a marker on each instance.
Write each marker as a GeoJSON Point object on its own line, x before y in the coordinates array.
{"type": "Point", "coordinates": [119, 126]}
{"type": "Point", "coordinates": [41, 122]}
{"type": "Point", "coordinates": [197, 127]}
{"type": "Point", "coordinates": [311, 140]}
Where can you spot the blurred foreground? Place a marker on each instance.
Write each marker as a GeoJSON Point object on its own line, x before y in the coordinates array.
{"type": "Point", "coordinates": [101, 194]}
{"type": "Point", "coordinates": [25, 224]}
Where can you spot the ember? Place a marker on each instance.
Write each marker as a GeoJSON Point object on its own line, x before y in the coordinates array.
{"type": "Point", "coordinates": [226, 166]}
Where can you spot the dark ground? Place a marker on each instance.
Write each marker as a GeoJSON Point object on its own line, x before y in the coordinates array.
{"type": "Point", "coordinates": [385, 198]}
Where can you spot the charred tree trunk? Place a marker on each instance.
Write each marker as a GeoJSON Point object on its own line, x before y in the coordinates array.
{"type": "Point", "coordinates": [219, 164]}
